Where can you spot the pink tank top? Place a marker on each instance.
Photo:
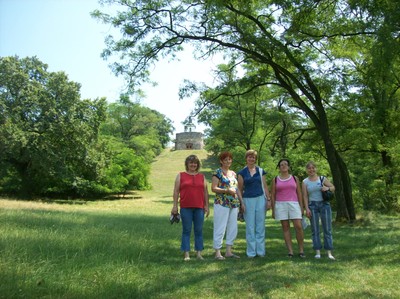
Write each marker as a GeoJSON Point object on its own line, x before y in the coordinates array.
{"type": "Point", "coordinates": [286, 190]}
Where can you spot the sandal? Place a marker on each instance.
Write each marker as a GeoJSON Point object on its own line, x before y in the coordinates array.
{"type": "Point", "coordinates": [219, 258]}
{"type": "Point", "coordinates": [233, 256]}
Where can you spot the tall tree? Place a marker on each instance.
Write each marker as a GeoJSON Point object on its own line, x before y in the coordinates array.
{"type": "Point", "coordinates": [288, 40]}
{"type": "Point", "coordinates": [144, 130]}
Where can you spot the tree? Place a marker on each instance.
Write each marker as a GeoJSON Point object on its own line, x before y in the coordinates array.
{"type": "Point", "coordinates": [142, 129]}
{"type": "Point", "coordinates": [287, 41]}
{"type": "Point", "coordinates": [46, 131]}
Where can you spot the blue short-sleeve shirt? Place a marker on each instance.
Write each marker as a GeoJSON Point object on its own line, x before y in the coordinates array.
{"type": "Point", "coordinates": [251, 184]}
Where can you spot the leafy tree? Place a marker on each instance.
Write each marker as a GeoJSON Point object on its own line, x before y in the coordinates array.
{"type": "Point", "coordinates": [125, 170]}
{"type": "Point", "coordinates": [144, 130]}
{"type": "Point", "coordinates": [46, 131]}
{"type": "Point", "coordinates": [289, 43]}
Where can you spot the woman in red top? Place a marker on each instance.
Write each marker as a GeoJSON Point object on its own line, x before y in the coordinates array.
{"type": "Point", "coordinates": [191, 190]}
{"type": "Point", "coordinates": [287, 204]}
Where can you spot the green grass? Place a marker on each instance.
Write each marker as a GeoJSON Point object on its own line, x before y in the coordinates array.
{"type": "Point", "coordinates": [128, 249]}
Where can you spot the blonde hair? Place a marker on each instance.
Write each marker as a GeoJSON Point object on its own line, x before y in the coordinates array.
{"type": "Point", "coordinates": [251, 153]}
{"type": "Point", "coordinates": [311, 163]}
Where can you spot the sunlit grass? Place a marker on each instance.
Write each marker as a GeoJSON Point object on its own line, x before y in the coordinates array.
{"type": "Point", "coordinates": [128, 249]}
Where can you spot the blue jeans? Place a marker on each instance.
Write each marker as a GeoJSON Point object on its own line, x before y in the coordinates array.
{"type": "Point", "coordinates": [321, 210]}
{"type": "Point", "coordinates": [255, 225]}
{"type": "Point", "coordinates": [189, 216]}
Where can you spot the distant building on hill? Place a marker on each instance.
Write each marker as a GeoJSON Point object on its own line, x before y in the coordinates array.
{"type": "Point", "coordinates": [189, 140]}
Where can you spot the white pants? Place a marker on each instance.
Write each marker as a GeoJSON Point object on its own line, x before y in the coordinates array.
{"type": "Point", "coordinates": [225, 220]}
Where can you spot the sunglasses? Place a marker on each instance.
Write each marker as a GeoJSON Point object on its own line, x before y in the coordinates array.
{"type": "Point", "coordinates": [175, 218]}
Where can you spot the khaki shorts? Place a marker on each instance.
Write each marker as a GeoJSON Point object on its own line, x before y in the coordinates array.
{"type": "Point", "coordinates": [287, 210]}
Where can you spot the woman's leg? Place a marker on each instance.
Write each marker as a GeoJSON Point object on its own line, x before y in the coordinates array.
{"type": "Point", "coordinates": [287, 236]}
{"type": "Point", "coordinates": [326, 220]}
{"type": "Point", "coordinates": [231, 230]}
{"type": "Point", "coordinates": [314, 221]}
{"type": "Point", "coordinates": [187, 219]}
{"type": "Point", "coordinates": [250, 218]}
{"type": "Point", "coordinates": [198, 220]}
{"type": "Point", "coordinates": [260, 225]}
{"type": "Point", "coordinates": [221, 216]}
{"type": "Point", "coordinates": [299, 234]}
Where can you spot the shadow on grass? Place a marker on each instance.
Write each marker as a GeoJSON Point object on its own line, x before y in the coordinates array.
{"type": "Point", "coordinates": [113, 255]}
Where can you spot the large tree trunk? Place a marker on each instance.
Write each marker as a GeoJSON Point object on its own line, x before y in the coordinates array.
{"type": "Point", "coordinates": [342, 182]}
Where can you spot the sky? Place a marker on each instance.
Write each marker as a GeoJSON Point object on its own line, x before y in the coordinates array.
{"type": "Point", "coordinates": [62, 34]}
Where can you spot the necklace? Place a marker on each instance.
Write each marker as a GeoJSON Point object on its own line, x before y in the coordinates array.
{"type": "Point", "coordinates": [285, 179]}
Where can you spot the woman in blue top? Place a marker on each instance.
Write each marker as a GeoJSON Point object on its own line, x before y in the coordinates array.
{"type": "Point", "coordinates": [318, 208]}
{"type": "Point", "coordinates": [254, 190]}
{"type": "Point", "coordinates": [226, 205]}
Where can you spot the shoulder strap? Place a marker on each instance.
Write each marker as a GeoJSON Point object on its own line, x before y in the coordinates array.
{"type": "Point", "coordinates": [262, 185]}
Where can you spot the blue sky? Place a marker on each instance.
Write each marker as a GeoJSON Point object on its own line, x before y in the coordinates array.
{"type": "Point", "coordinates": [62, 34]}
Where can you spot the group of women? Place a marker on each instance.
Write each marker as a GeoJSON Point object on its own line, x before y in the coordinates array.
{"type": "Point", "coordinates": [247, 191]}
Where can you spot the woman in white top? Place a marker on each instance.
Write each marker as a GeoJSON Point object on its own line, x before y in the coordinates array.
{"type": "Point", "coordinates": [318, 209]}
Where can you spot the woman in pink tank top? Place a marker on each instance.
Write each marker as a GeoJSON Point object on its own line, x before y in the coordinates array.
{"type": "Point", "coordinates": [287, 204]}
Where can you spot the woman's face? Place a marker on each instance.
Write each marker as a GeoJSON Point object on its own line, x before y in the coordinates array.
{"type": "Point", "coordinates": [283, 166]}
{"type": "Point", "coordinates": [251, 159]}
{"type": "Point", "coordinates": [311, 170]}
{"type": "Point", "coordinates": [227, 162]}
{"type": "Point", "coordinates": [192, 166]}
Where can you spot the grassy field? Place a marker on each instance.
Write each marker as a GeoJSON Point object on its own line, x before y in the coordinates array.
{"type": "Point", "coordinates": [128, 249]}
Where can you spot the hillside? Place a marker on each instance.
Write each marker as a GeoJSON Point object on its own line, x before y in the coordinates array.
{"type": "Point", "coordinates": [166, 166]}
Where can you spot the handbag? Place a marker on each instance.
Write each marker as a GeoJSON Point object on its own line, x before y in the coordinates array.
{"type": "Point", "coordinates": [328, 194]}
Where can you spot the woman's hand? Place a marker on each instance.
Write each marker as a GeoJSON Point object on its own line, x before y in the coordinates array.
{"type": "Point", "coordinates": [308, 213]}
{"type": "Point", "coordinates": [174, 210]}
{"type": "Point", "coordinates": [242, 208]}
{"type": "Point", "coordinates": [325, 188]}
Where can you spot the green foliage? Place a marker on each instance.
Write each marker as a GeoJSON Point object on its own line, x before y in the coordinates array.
{"type": "Point", "coordinates": [46, 130]}
{"type": "Point", "coordinates": [144, 130]}
{"type": "Point", "coordinates": [49, 137]}
{"type": "Point", "coordinates": [126, 171]}
{"type": "Point", "coordinates": [127, 248]}
{"type": "Point", "coordinates": [309, 69]}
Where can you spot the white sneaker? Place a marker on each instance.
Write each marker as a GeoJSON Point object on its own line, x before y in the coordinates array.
{"type": "Point", "coordinates": [317, 256]}
{"type": "Point", "coordinates": [331, 257]}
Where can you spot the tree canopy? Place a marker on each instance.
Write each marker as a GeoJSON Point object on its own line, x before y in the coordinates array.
{"type": "Point", "coordinates": [53, 142]}
{"type": "Point", "coordinates": [313, 51]}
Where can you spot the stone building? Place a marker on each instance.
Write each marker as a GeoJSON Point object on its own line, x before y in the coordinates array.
{"type": "Point", "coordinates": [189, 140]}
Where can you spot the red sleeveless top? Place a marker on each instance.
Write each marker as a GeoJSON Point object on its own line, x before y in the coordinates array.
{"type": "Point", "coordinates": [191, 190]}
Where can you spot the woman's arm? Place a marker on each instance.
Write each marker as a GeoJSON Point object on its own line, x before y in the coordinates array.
{"type": "Point", "coordinates": [240, 192]}
{"type": "Point", "coordinates": [299, 195]}
{"type": "Point", "coordinates": [273, 197]}
{"type": "Point", "coordinates": [206, 199]}
{"type": "Point", "coordinates": [268, 204]}
{"type": "Point", "coordinates": [305, 199]}
{"type": "Point", "coordinates": [175, 194]}
{"type": "Point", "coordinates": [329, 185]}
